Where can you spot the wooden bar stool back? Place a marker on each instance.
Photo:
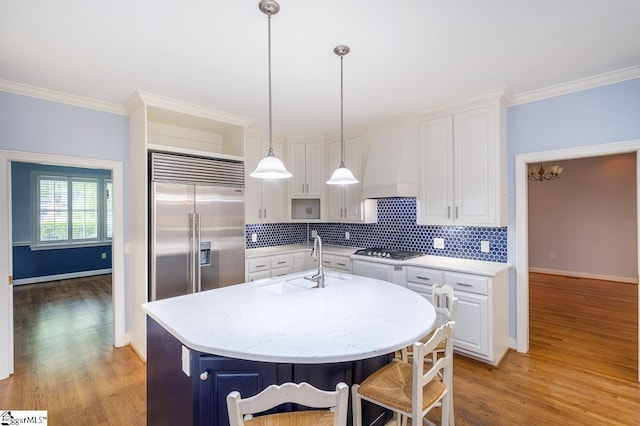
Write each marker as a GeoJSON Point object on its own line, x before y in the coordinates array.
{"type": "Point", "coordinates": [412, 389]}
{"type": "Point", "coordinates": [242, 411]}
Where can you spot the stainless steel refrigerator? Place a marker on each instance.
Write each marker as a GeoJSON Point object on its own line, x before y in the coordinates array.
{"type": "Point", "coordinates": [197, 229]}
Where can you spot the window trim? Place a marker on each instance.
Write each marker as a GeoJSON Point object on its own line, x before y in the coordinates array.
{"type": "Point", "coordinates": [100, 240]}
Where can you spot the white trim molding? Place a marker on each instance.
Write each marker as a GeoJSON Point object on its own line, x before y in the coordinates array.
{"type": "Point", "coordinates": [65, 98]}
{"type": "Point", "coordinates": [574, 274]}
{"type": "Point", "coordinates": [576, 85]}
{"type": "Point", "coordinates": [521, 226]}
{"type": "Point", "coordinates": [6, 269]}
{"type": "Point", "coordinates": [57, 277]}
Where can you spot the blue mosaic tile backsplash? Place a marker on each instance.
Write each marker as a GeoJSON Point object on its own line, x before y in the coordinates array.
{"type": "Point", "coordinates": [396, 229]}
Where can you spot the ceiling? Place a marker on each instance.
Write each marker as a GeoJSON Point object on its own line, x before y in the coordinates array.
{"type": "Point", "coordinates": [406, 56]}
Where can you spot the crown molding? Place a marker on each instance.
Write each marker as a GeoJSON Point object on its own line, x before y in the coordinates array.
{"type": "Point", "coordinates": [150, 99]}
{"type": "Point", "coordinates": [577, 85]}
{"type": "Point", "coordinates": [65, 98]}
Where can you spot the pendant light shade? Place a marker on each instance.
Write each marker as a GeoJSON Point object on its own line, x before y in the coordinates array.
{"type": "Point", "coordinates": [270, 167]}
{"type": "Point", "coordinates": [342, 175]}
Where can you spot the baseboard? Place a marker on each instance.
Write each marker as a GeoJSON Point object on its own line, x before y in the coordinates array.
{"type": "Point", "coordinates": [630, 280]}
{"type": "Point", "coordinates": [46, 278]}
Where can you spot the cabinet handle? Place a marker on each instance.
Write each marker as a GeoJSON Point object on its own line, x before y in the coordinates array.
{"type": "Point", "coordinates": [449, 212]}
{"type": "Point", "coordinates": [204, 376]}
{"type": "Point", "coordinates": [260, 213]}
{"type": "Point", "coordinates": [341, 264]}
{"type": "Point", "coordinates": [423, 278]}
{"type": "Point", "coordinates": [281, 263]}
{"type": "Point", "coordinates": [307, 188]}
{"type": "Point", "coordinates": [456, 212]}
{"type": "Point", "coordinates": [464, 284]}
{"type": "Point", "coordinates": [261, 266]}
{"type": "Point", "coordinates": [303, 188]}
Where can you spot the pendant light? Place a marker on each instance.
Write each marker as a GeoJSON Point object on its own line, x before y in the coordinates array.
{"type": "Point", "coordinates": [270, 167]}
{"type": "Point", "coordinates": [342, 175]}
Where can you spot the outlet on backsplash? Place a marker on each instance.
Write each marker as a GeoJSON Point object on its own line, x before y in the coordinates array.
{"type": "Point", "coordinates": [254, 238]}
{"type": "Point", "coordinates": [484, 246]}
{"type": "Point", "coordinates": [438, 243]}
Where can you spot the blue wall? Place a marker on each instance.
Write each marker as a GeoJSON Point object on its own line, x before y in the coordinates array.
{"type": "Point", "coordinates": [41, 263]}
{"type": "Point", "coordinates": [39, 126]}
{"type": "Point", "coordinates": [396, 229]}
{"type": "Point", "coordinates": [601, 115]}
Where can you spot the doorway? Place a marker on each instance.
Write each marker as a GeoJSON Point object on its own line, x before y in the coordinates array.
{"type": "Point", "coordinates": [583, 263]}
{"type": "Point", "coordinates": [521, 224]}
{"type": "Point", "coordinates": [6, 261]}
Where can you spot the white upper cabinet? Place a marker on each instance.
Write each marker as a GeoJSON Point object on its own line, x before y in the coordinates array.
{"type": "Point", "coordinates": [306, 165]}
{"type": "Point", "coordinates": [265, 199]}
{"type": "Point", "coordinates": [462, 172]}
{"type": "Point", "coordinates": [345, 201]}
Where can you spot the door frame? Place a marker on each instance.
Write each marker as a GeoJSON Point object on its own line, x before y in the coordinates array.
{"type": "Point", "coordinates": [522, 225]}
{"type": "Point", "coordinates": [6, 266]}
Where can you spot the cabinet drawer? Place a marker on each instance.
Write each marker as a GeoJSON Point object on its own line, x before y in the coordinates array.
{"type": "Point", "coordinates": [468, 283]}
{"type": "Point", "coordinates": [260, 275]}
{"type": "Point", "coordinates": [424, 276]}
{"type": "Point", "coordinates": [343, 263]}
{"type": "Point", "coordinates": [259, 264]}
{"type": "Point", "coordinates": [424, 290]}
{"type": "Point", "coordinates": [278, 272]}
{"type": "Point", "coordinates": [280, 261]}
{"type": "Point", "coordinates": [328, 261]}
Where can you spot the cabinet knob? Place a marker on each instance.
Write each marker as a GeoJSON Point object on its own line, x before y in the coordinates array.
{"type": "Point", "coordinates": [204, 376]}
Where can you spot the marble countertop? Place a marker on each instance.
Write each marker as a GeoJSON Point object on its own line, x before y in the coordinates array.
{"type": "Point", "coordinates": [281, 320]}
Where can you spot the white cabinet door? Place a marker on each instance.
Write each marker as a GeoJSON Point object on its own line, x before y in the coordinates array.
{"type": "Point", "coordinates": [313, 169]}
{"type": "Point", "coordinates": [345, 201]}
{"type": "Point", "coordinates": [435, 193]}
{"type": "Point", "coordinates": [265, 199]}
{"type": "Point", "coordinates": [461, 169]}
{"type": "Point", "coordinates": [305, 163]}
{"type": "Point", "coordinates": [472, 323]}
{"type": "Point", "coordinates": [297, 161]}
{"type": "Point", "coordinates": [475, 148]}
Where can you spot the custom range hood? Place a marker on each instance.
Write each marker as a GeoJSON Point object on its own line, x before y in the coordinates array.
{"type": "Point", "coordinates": [391, 164]}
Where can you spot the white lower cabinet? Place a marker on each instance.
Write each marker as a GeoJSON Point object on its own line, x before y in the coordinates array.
{"type": "Point", "coordinates": [331, 262]}
{"type": "Point", "coordinates": [269, 266]}
{"type": "Point", "coordinates": [482, 323]}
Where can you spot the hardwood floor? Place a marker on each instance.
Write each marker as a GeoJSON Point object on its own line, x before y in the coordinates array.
{"type": "Point", "coordinates": [65, 361]}
{"type": "Point", "coordinates": [581, 368]}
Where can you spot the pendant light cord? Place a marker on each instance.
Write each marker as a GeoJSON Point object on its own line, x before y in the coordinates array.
{"type": "Point", "coordinates": [341, 115]}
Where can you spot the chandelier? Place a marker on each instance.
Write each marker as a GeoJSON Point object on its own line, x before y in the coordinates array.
{"type": "Point", "coordinates": [539, 173]}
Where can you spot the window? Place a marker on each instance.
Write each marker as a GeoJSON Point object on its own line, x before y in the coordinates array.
{"type": "Point", "coordinates": [72, 210]}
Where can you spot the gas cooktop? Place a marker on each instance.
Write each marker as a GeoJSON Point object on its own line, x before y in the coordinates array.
{"type": "Point", "coordinates": [384, 253]}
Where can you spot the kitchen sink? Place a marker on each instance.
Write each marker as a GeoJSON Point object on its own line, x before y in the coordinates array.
{"type": "Point", "coordinates": [298, 284]}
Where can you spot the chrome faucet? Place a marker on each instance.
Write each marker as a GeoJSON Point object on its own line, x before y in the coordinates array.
{"type": "Point", "coordinates": [317, 253]}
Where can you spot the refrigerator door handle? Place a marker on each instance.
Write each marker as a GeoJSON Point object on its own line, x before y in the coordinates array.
{"type": "Point", "coordinates": [198, 280]}
{"type": "Point", "coordinates": [190, 260]}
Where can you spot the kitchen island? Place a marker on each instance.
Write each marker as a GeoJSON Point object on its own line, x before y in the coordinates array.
{"type": "Point", "coordinates": [248, 336]}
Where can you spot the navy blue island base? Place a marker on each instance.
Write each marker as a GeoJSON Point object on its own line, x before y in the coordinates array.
{"type": "Point", "coordinates": [173, 398]}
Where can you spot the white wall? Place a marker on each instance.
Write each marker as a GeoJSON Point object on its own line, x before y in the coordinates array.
{"type": "Point", "coordinates": [586, 219]}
